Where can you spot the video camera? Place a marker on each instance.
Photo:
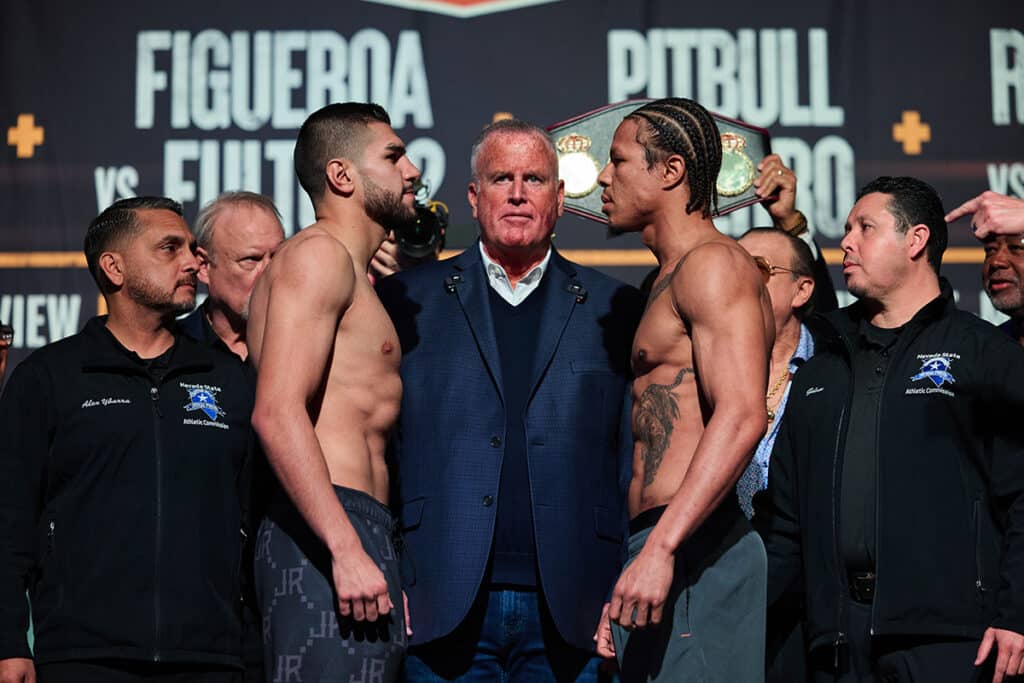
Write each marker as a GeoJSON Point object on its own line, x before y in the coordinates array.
{"type": "Point", "coordinates": [424, 235]}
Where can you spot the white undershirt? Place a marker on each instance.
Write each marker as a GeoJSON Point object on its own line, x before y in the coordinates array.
{"type": "Point", "coordinates": [500, 283]}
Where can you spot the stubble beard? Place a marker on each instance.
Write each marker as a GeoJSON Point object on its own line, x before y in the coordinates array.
{"type": "Point", "coordinates": [149, 296]}
{"type": "Point", "coordinates": [385, 208]}
{"type": "Point", "coordinates": [1010, 303]}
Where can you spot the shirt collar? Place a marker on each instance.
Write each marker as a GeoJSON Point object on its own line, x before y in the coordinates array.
{"type": "Point", "coordinates": [499, 281]}
{"type": "Point", "coordinates": [804, 349]}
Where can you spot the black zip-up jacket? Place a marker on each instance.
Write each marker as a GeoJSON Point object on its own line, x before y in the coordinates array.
{"type": "Point", "coordinates": [950, 480]}
{"type": "Point", "coordinates": [120, 504]}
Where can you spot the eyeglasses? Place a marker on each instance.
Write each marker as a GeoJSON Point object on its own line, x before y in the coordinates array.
{"type": "Point", "coordinates": [768, 269]}
{"type": "Point", "coordinates": [6, 335]}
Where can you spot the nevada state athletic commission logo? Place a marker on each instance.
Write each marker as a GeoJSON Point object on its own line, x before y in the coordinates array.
{"type": "Point", "coordinates": [935, 369]}
{"type": "Point", "coordinates": [202, 398]}
{"type": "Point", "coordinates": [462, 9]}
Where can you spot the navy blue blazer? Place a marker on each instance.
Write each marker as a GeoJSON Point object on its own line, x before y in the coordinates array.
{"type": "Point", "coordinates": [448, 445]}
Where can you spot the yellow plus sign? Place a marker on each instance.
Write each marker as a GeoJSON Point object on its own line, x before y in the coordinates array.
{"type": "Point", "coordinates": [25, 136]}
{"type": "Point", "coordinates": [911, 132]}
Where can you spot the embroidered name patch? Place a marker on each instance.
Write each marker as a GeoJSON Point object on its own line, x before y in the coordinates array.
{"type": "Point", "coordinates": [93, 402]}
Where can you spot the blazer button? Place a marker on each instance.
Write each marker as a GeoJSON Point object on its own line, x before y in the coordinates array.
{"type": "Point", "coordinates": [495, 442]}
{"type": "Point", "coordinates": [488, 501]}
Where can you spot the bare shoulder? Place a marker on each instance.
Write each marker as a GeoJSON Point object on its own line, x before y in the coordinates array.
{"type": "Point", "coordinates": [313, 258]}
{"type": "Point", "coordinates": [714, 274]}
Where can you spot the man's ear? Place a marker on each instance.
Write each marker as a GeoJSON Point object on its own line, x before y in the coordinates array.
{"type": "Point", "coordinates": [112, 265]}
{"type": "Point", "coordinates": [203, 257]}
{"type": "Point", "coordinates": [340, 175]}
{"type": "Point", "coordinates": [472, 194]}
{"type": "Point", "coordinates": [673, 170]}
{"type": "Point", "coordinates": [804, 291]}
{"type": "Point", "coordinates": [561, 197]}
{"type": "Point", "coordinates": [917, 239]}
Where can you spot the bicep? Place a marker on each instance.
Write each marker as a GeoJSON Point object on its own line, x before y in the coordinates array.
{"type": "Point", "coordinates": [730, 342]}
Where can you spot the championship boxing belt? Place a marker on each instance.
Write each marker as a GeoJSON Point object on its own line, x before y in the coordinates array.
{"type": "Point", "coordinates": [583, 143]}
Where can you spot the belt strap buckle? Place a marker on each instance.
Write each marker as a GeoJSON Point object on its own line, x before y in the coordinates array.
{"type": "Point", "coordinates": [862, 586]}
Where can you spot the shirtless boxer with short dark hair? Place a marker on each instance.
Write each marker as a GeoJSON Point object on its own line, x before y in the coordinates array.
{"type": "Point", "coordinates": [327, 396]}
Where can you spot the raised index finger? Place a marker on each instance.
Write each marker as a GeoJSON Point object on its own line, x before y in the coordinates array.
{"type": "Point", "coordinates": [970, 206]}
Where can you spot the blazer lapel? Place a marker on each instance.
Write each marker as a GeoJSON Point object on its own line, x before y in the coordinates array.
{"type": "Point", "coordinates": [468, 282]}
{"type": "Point", "coordinates": [561, 296]}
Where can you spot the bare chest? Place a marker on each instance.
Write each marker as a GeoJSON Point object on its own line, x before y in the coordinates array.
{"type": "Point", "coordinates": [661, 339]}
{"type": "Point", "coordinates": [367, 341]}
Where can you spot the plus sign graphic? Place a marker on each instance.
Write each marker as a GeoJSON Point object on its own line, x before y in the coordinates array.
{"type": "Point", "coordinates": [911, 131]}
{"type": "Point", "coordinates": [25, 136]}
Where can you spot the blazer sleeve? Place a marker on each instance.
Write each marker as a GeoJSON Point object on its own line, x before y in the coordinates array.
{"type": "Point", "coordinates": [24, 443]}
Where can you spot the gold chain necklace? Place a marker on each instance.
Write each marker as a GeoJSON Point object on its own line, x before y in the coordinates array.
{"type": "Point", "coordinates": [774, 390]}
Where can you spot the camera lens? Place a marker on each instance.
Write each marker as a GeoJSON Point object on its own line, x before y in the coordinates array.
{"type": "Point", "coordinates": [422, 236]}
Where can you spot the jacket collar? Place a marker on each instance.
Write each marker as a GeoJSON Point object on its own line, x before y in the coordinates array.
{"type": "Point", "coordinates": [843, 324]}
{"type": "Point", "coordinates": [467, 280]}
{"type": "Point", "coordinates": [105, 352]}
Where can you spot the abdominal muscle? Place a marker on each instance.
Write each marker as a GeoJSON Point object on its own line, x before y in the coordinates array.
{"type": "Point", "coordinates": [667, 426]}
{"type": "Point", "coordinates": [353, 426]}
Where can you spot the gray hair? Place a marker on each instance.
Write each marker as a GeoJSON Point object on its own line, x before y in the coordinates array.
{"type": "Point", "coordinates": [508, 126]}
{"type": "Point", "coordinates": [207, 218]}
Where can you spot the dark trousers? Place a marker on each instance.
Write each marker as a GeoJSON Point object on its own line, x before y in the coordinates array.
{"type": "Point", "coordinates": [896, 659]}
{"type": "Point", "coordinates": [120, 671]}
{"type": "Point", "coordinates": [507, 636]}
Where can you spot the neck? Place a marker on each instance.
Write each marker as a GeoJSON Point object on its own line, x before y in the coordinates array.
{"type": "Point", "coordinates": [361, 235]}
{"type": "Point", "coordinates": [146, 332]}
{"type": "Point", "coordinates": [228, 327]}
{"type": "Point", "coordinates": [787, 338]}
{"type": "Point", "coordinates": [897, 307]}
{"type": "Point", "coordinates": [672, 237]}
{"type": "Point", "coordinates": [516, 263]}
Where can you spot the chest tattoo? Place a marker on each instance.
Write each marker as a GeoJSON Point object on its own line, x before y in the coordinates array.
{"type": "Point", "coordinates": [654, 419]}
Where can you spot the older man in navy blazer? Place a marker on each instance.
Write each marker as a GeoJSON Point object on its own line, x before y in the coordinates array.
{"type": "Point", "coordinates": [513, 449]}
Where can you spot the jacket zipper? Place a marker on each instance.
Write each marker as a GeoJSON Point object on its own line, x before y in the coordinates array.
{"type": "Point", "coordinates": [154, 394]}
{"type": "Point", "coordinates": [977, 549]}
{"type": "Point", "coordinates": [843, 589]}
{"type": "Point", "coordinates": [878, 484]}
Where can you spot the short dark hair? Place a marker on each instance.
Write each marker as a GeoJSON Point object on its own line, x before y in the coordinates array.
{"type": "Point", "coordinates": [914, 202]}
{"type": "Point", "coordinates": [511, 127]}
{"type": "Point", "coordinates": [117, 223]}
{"type": "Point", "coordinates": [676, 125]}
{"type": "Point", "coordinates": [337, 130]}
{"type": "Point", "coordinates": [801, 261]}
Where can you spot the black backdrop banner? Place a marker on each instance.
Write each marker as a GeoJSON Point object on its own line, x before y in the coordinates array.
{"type": "Point", "coordinates": [103, 100]}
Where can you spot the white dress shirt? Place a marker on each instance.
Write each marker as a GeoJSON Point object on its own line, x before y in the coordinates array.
{"type": "Point", "coordinates": [500, 283]}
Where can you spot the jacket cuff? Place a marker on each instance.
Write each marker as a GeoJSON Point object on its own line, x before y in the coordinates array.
{"type": "Point", "coordinates": [12, 646]}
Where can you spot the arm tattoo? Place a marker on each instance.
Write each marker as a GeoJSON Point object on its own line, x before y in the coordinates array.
{"type": "Point", "coordinates": [654, 418]}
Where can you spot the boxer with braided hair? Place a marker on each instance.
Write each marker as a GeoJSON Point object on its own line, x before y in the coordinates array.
{"type": "Point", "coordinates": [680, 126]}
{"type": "Point", "coordinates": [690, 602]}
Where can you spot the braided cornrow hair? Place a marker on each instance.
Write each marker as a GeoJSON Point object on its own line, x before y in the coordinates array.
{"type": "Point", "coordinates": [680, 126]}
